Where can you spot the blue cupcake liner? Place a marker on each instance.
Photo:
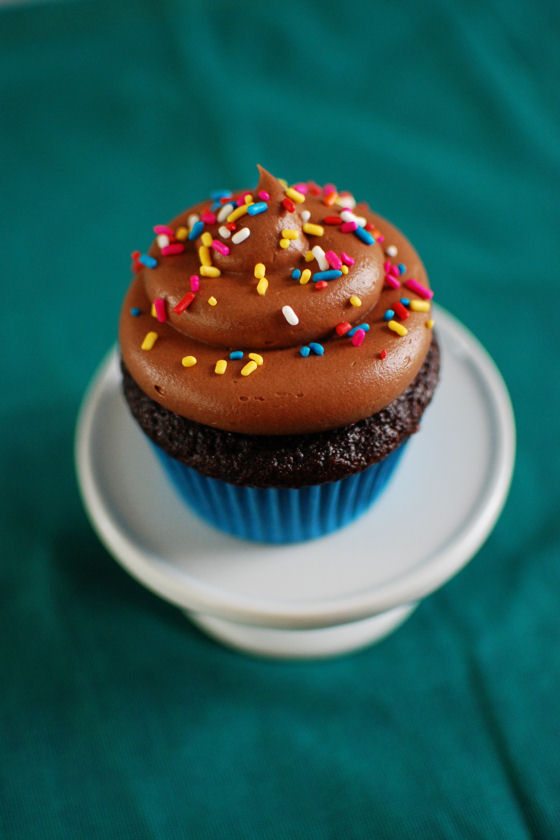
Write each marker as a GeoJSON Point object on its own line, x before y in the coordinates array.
{"type": "Point", "coordinates": [280, 515]}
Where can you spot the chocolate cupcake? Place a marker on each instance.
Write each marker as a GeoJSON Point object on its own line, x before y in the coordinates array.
{"type": "Point", "coordinates": [277, 348]}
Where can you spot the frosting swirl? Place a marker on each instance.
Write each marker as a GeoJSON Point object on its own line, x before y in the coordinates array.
{"type": "Point", "coordinates": [298, 277]}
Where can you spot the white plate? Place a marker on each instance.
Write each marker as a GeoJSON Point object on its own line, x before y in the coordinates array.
{"type": "Point", "coordinates": [441, 505]}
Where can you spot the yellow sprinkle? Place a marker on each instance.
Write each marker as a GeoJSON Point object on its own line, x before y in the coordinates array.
{"type": "Point", "coordinates": [206, 239]}
{"type": "Point", "coordinates": [313, 230]}
{"type": "Point", "coordinates": [305, 276]}
{"type": "Point", "coordinates": [283, 182]}
{"type": "Point", "coordinates": [295, 195]}
{"type": "Point", "coordinates": [212, 301]}
{"type": "Point", "coordinates": [430, 323]}
{"type": "Point", "coordinates": [153, 311]}
{"type": "Point", "coordinates": [396, 327]}
{"type": "Point", "coordinates": [284, 243]}
{"type": "Point", "coordinates": [149, 340]}
{"type": "Point", "coordinates": [204, 255]}
{"type": "Point", "coordinates": [221, 366]}
{"type": "Point", "coordinates": [262, 286]}
{"type": "Point", "coordinates": [249, 200]}
{"type": "Point", "coordinates": [256, 357]}
{"type": "Point", "coordinates": [209, 271]}
{"type": "Point", "coordinates": [290, 234]}
{"type": "Point", "coordinates": [259, 270]}
{"type": "Point", "coordinates": [188, 361]}
{"type": "Point", "coordinates": [344, 269]}
{"type": "Point", "coordinates": [181, 233]}
{"type": "Point", "coordinates": [420, 305]}
{"type": "Point", "coordinates": [249, 368]}
{"type": "Point", "coordinates": [239, 211]}
{"type": "Point", "coordinates": [309, 256]}
{"type": "Point", "coordinates": [355, 301]}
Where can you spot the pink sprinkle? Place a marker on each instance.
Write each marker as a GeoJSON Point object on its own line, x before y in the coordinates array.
{"type": "Point", "coordinates": [159, 306]}
{"type": "Point", "coordinates": [348, 227]}
{"type": "Point", "coordinates": [164, 229]}
{"type": "Point", "coordinates": [421, 290]}
{"type": "Point", "coordinates": [301, 188]}
{"type": "Point", "coordinates": [175, 248]}
{"type": "Point", "coordinates": [220, 247]}
{"type": "Point", "coordinates": [392, 281]}
{"type": "Point", "coordinates": [380, 238]}
{"type": "Point", "coordinates": [346, 258]}
{"type": "Point", "coordinates": [195, 282]}
{"type": "Point", "coordinates": [328, 189]}
{"type": "Point", "coordinates": [386, 266]}
{"type": "Point", "coordinates": [264, 195]}
{"type": "Point", "coordinates": [208, 217]}
{"type": "Point", "coordinates": [358, 338]}
{"type": "Point", "coordinates": [333, 260]}
{"type": "Point", "coordinates": [394, 271]}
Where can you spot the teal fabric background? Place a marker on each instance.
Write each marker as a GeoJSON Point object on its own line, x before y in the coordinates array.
{"type": "Point", "coordinates": [117, 718]}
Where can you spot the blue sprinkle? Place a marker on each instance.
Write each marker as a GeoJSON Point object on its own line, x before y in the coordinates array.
{"type": "Point", "coordinates": [255, 209]}
{"type": "Point", "coordinates": [318, 349]}
{"type": "Point", "coordinates": [148, 261]}
{"type": "Point", "coordinates": [364, 235]}
{"type": "Point", "coordinates": [217, 194]}
{"type": "Point", "coordinates": [296, 273]}
{"type": "Point", "coordinates": [364, 327]}
{"type": "Point", "coordinates": [236, 354]}
{"type": "Point", "coordinates": [405, 301]}
{"type": "Point", "coordinates": [136, 311]}
{"type": "Point", "coordinates": [401, 267]}
{"type": "Point", "coordinates": [216, 206]}
{"type": "Point", "coordinates": [305, 351]}
{"type": "Point", "coordinates": [197, 229]}
{"type": "Point", "coordinates": [388, 315]}
{"type": "Point", "coordinates": [327, 275]}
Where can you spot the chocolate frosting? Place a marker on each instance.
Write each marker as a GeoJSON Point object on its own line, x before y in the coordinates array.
{"type": "Point", "coordinates": [287, 393]}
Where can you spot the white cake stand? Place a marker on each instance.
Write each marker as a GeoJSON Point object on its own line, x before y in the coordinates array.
{"type": "Point", "coordinates": [334, 594]}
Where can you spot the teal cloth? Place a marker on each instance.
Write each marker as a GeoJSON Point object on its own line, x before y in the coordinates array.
{"type": "Point", "coordinates": [117, 718]}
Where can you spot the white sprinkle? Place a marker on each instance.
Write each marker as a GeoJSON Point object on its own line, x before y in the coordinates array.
{"type": "Point", "coordinates": [347, 201]}
{"type": "Point", "coordinates": [240, 236]}
{"type": "Point", "coordinates": [348, 216]}
{"type": "Point", "coordinates": [223, 231]}
{"type": "Point", "coordinates": [319, 255]}
{"type": "Point", "coordinates": [392, 251]}
{"type": "Point", "coordinates": [225, 211]}
{"type": "Point", "coordinates": [162, 240]}
{"type": "Point", "coordinates": [306, 215]}
{"type": "Point", "coordinates": [290, 315]}
{"type": "Point", "coordinates": [193, 219]}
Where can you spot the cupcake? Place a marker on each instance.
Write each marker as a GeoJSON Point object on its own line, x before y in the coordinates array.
{"type": "Point", "coordinates": [278, 350]}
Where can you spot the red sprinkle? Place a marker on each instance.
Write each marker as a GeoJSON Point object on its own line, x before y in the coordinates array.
{"type": "Point", "coordinates": [136, 264]}
{"type": "Point", "coordinates": [175, 248]}
{"type": "Point", "coordinates": [231, 226]}
{"type": "Point", "coordinates": [400, 310]}
{"type": "Point", "coordinates": [314, 188]}
{"type": "Point", "coordinates": [321, 284]}
{"type": "Point", "coordinates": [358, 338]}
{"type": "Point", "coordinates": [288, 204]}
{"type": "Point", "coordinates": [184, 303]}
{"type": "Point", "coordinates": [383, 354]}
{"type": "Point", "coordinates": [343, 328]}
{"type": "Point", "coordinates": [369, 226]}
{"type": "Point", "coordinates": [333, 220]}
{"type": "Point", "coordinates": [225, 199]}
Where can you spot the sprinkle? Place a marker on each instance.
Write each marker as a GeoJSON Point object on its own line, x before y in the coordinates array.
{"type": "Point", "coordinates": [430, 323]}
{"type": "Point", "coordinates": [264, 195]}
{"type": "Point", "coordinates": [305, 276]}
{"type": "Point", "coordinates": [405, 301]}
{"type": "Point", "coordinates": [389, 313]}
{"type": "Point", "coordinates": [391, 251]}
{"type": "Point", "coordinates": [302, 188]}
{"type": "Point", "coordinates": [393, 271]}
{"type": "Point", "coordinates": [212, 301]}
{"type": "Point", "coordinates": [402, 268]}
{"type": "Point", "coordinates": [319, 255]}
{"type": "Point", "coordinates": [175, 248]}
{"type": "Point", "coordinates": [313, 230]}
{"type": "Point", "coordinates": [149, 340]}
{"type": "Point", "coordinates": [184, 303]}
{"type": "Point", "coordinates": [262, 286]}
{"type": "Point", "coordinates": [343, 328]}
{"type": "Point", "coordinates": [332, 220]}
{"type": "Point", "coordinates": [204, 255]}
{"type": "Point", "coordinates": [162, 240]}
{"type": "Point", "coordinates": [192, 219]}
{"type": "Point", "coordinates": [209, 271]}
{"type": "Point", "coordinates": [196, 230]}
{"type": "Point", "coordinates": [153, 311]}
{"type": "Point", "coordinates": [321, 284]}
{"type": "Point", "coordinates": [216, 195]}
{"type": "Point", "coordinates": [231, 226]}
{"type": "Point", "coordinates": [346, 258]}
{"type": "Point", "coordinates": [208, 217]}
{"type": "Point", "coordinates": [295, 195]}
{"type": "Point", "coordinates": [224, 232]}
{"type": "Point", "coordinates": [414, 286]}
{"type": "Point", "coordinates": [309, 256]}
{"type": "Point", "coordinates": [305, 215]}
{"type": "Point", "coordinates": [330, 199]}
{"type": "Point", "coordinates": [290, 234]}
{"type": "Point", "coordinates": [392, 281]}
{"type": "Point", "coordinates": [355, 301]}
{"type": "Point", "coordinates": [136, 311]}
{"type": "Point", "coordinates": [188, 361]}
{"type": "Point", "coordinates": [290, 316]}
{"type": "Point", "coordinates": [236, 354]}
{"type": "Point", "coordinates": [364, 235]}
{"type": "Point", "coordinates": [333, 260]}
{"type": "Point", "coordinates": [358, 338]}
{"type": "Point", "coordinates": [401, 311]}
{"type": "Point", "coordinates": [383, 354]}
{"type": "Point", "coordinates": [220, 247]}
{"type": "Point", "coordinates": [326, 275]}
{"type": "Point", "coordinates": [344, 269]}
{"type": "Point", "coordinates": [195, 282]}
{"type": "Point", "coordinates": [136, 265]}
{"type": "Point", "coordinates": [304, 351]}
{"type": "Point", "coordinates": [316, 348]}
{"type": "Point", "coordinates": [206, 239]}
{"type": "Point", "coordinates": [420, 305]}
{"type": "Point", "coordinates": [247, 198]}
{"type": "Point", "coordinates": [163, 229]}
{"type": "Point", "coordinates": [398, 328]}
{"type": "Point", "coordinates": [348, 227]}
{"type": "Point", "coordinates": [248, 369]}
{"type": "Point", "coordinates": [237, 213]}
{"type": "Point", "coordinates": [296, 274]}
{"type": "Point", "coordinates": [259, 270]}
{"type": "Point", "coordinates": [256, 357]}
{"type": "Point", "coordinates": [328, 189]}
{"type": "Point", "coordinates": [288, 205]}
{"type": "Point", "coordinates": [284, 243]}
{"type": "Point", "coordinates": [257, 208]}
{"type": "Point", "coordinates": [159, 306]}
{"type": "Point", "coordinates": [147, 260]}
{"type": "Point", "coordinates": [221, 366]}
{"type": "Point", "coordinates": [225, 211]}
{"type": "Point", "coordinates": [354, 330]}
{"type": "Point", "coordinates": [346, 199]}
{"type": "Point", "coordinates": [241, 236]}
